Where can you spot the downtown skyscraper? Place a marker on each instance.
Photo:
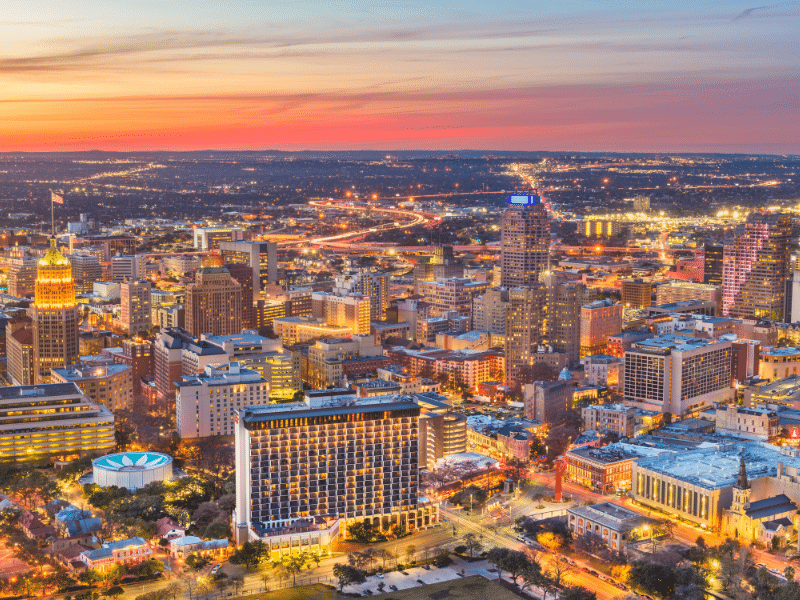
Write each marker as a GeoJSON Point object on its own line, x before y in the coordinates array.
{"type": "Point", "coordinates": [756, 268]}
{"type": "Point", "coordinates": [54, 314]}
{"type": "Point", "coordinates": [525, 242]}
{"type": "Point", "coordinates": [524, 258]}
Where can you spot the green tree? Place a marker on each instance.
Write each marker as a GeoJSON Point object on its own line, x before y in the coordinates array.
{"type": "Point", "coordinates": [576, 592]}
{"type": "Point", "coordinates": [294, 564]}
{"type": "Point", "coordinates": [411, 549]}
{"type": "Point", "coordinates": [472, 544]}
{"type": "Point", "coordinates": [348, 575]}
{"type": "Point", "coordinates": [654, 579]}
{"type": "Point", "coordinates": [247, 554]}
{"type": "Point", "coordinates": [115, 591]}
{"type": "Point", "coordinates": [497, 557]}
{"type": "Point", "coordinates": [789, 573]}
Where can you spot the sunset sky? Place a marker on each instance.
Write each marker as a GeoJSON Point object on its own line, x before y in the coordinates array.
{"type": "Point", "coordinates": [397, 74]}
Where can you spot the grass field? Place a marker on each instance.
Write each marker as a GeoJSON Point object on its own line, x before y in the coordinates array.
{"type": "Point", "coordinates": [467, 588]}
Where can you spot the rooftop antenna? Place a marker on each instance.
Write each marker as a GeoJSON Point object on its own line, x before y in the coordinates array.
{"type": "Point", "coordinates": [54, 199]}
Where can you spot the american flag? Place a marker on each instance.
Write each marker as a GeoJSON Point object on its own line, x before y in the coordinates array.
{"type": "Point", "coordinates": [56, 198]}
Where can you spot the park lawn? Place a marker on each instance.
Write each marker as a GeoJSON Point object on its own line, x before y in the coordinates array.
{"type": "Point", "coordinates": [316, 591]}
{"type": "Point", "coordinates": [467, 588]}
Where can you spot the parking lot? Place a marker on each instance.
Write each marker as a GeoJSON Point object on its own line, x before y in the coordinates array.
{"type": "Point", "coordinates": [404, 579]}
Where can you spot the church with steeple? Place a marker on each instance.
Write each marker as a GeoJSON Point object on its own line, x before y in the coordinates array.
{"type": "Point", "coordinates": [761, 520]}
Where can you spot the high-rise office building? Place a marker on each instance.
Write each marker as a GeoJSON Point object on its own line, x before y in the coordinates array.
{"type": "Point", "coordinates": [22, 273]}
{"type": "Point", "coordinates": [756, 268]}
{"type": "Point", "coordinates": [243, 275]}
{"type": "Point", "coordinates": [525, 245]}
{"type": "Point", "coordinates": [329, 456]}
{"type": "Point", "coordinates": [52, 421]}
{"type": "Point", "coordinates": [109, 385]}
{"type": "Point", "coordinates": [445, 295]}
{"type": "Point", "coordinates": [214, 301]}
{"type": "Point", "coordinates": [442, 265]}
{"type": "Point", "coordinates": [19, 351]}
{"type": "Point", "coordinates": [138, 355]}
{"type": "Point", "coordinates": [599, 319]}
{"type": "Point", "coordinates": [374, 285]}
{"type": "Point", "coordinates": [136, 306]}
{"type": "Point", "coordinates": [262, 257]}
{"type": "Point", "coordinates": [525, 328]}
{"type": "Point", "coordinates": [54, 314]}
{"type": "Point", "coordinates": [712, 264]}
{"type": "Point", "coordinates": [564, 302]}
{"type": "Point", "coordinates": [489, 310]}
{"type": "Point", "coordinates": [210, 238]}
{"type": "Point", "coordinates": [351, 311]}
{"type": "Point", "coordinates": [125, 266]}
{"type": "Point", "coordinates": [85, 271]}
{"type": "Point", "coordinates": [548, 401]}
{"type": "Point", "coordinates": [637, 293]}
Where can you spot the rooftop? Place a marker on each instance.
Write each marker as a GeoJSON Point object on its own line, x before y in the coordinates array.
{"type": "Point", "coordinates": [332, 406]}
{"type": "Point", "coordinates": [718, 467]}
{"type": "Point", "coordinates": [675, 342]}
{"type": "Point", "coordinates": [785, 351]}
{"type": "Point", "coordinates": [83, 372]}
{"type": "Point", "coordinates": [43, 390]}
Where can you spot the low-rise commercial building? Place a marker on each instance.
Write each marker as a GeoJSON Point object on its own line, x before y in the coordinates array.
{"type": "Point", "coordinates": [778, 363]}
{"type": "Point", "coordinates": [609, 522]}
{"type": "Point", "coordinates": [606, 469]}
{"type": "Point", "coordinates": [610, 418]}
{"type": "Point", "coordinates": [123, 552]}
{"type": "Point", "coordinates": [548, 401]}
{"type": "Point", "coordinates": [749, 423]}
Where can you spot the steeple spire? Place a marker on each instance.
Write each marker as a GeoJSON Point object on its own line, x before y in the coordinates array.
{"type": "Point", "coordinates": [741, 481]}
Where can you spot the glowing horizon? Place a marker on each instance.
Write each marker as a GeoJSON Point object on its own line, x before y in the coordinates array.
{"type": "Point", "coordinates": [438, 75]}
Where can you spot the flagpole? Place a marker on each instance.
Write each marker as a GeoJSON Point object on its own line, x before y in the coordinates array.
{"type": "Point", "coordinates": [52, 215]}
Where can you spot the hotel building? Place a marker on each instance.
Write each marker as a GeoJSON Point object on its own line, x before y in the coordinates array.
{"type": "Point", "coordinates": [51, 421]}
{"type": "Point", "coordinates": [328, 462]}
{"type": "Point", "coordinates": [678, 375]}
{"type": "Point", "coordinates": [205, 403]}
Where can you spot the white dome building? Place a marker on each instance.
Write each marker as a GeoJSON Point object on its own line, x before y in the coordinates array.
{"type": "Point", "coordinates": [132, 470]}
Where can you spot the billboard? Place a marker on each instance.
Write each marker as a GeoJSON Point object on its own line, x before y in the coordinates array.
{"type": "Point", "coordinates": [524, 199]}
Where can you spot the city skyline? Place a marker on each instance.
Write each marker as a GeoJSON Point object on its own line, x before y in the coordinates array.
{"type": "Point", "coordinates": [325, 75]}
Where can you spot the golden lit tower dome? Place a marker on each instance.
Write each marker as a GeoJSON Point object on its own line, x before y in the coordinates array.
{"type": "Point", "coordinates": [55, 287]}
{"type": "Point", "coordinates": [211, 261]}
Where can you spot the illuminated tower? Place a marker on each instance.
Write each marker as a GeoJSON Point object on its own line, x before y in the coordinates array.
{"type": "Point", "coordinates": [55, 315]}
{"type": "Point", "coordinates": [756, 267]}
{"type": "Point", "coordinates": [525, 245]}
